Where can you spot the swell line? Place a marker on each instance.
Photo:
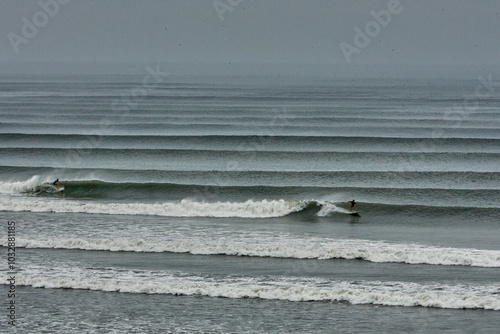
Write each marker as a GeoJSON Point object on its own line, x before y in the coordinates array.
{"type": "Point", "coordinates": [303, 130]}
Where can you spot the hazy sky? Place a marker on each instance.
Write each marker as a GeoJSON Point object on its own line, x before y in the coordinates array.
{"type": "Point", "coordinates": [437, 32]}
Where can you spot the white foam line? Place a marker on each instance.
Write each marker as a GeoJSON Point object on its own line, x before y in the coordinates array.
{"type": "Point", "coordinates": [22, 186]}
{"type": "Point", "coordinates": [273, 288]}
{"type": "Point", "coordinates": [285, 247]}
{"type": "Point", "coordinates": [184, 208]}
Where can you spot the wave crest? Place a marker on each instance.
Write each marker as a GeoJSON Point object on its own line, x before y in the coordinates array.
{"type": "Point", "coordinates": [184, 208]}
{"type": "Point", "coordinates": [281, 288]}
{"type": "Point", "coordinates": [284, 247]}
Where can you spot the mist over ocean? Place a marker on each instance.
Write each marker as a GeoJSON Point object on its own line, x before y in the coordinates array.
{"type": "Point", "coordinates": [219, 204]}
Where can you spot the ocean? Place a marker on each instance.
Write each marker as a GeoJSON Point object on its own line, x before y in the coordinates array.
{"type": "Point", "coordinates": [219, 204]}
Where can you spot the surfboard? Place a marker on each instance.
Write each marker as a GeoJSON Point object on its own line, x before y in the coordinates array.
{"type": "Point", "coordinates": [354, 214]}
{"type": "Point", "coordinates": [57, 188]}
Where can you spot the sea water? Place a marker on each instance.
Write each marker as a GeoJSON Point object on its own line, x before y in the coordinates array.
{"type": "Point", "coordinates": [219, 205]}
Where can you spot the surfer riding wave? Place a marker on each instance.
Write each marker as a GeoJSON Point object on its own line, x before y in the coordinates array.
{"type": "Point", "coordinates": [353, 205]}
{"type": "Point", "coordinates": [57, 184]}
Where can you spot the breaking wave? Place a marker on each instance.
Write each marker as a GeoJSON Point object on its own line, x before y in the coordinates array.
{"type": "Point", "coordinates": [183, 208]}
{"type": "Point", "coordinates": [284, 247]}
{"type": "Point", "coordinates": [294, 289]}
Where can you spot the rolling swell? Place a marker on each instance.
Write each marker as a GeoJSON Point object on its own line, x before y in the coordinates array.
{"type": "Point", "coordinates": [287, 161]}
{"type": "Point", "coordinates": [305, 130]}
{"type": "Point", "coordinates": [260, 141]}
{"type": "Point", "coordinates": [317, 179]}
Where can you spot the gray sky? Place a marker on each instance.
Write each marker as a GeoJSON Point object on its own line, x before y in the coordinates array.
{"type": "Point", "coordinates": [300, 32]}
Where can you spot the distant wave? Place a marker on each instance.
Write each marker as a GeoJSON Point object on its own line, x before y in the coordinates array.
{"type": "Point", "coordinates": [263, 142]}
{"type": "Point", "coordinates": [73, 121]}
{"type": "Point", "coordinates": [252, 130]}
{"type": "Point", "coordinates": [96, 179]}
{"type": "Point", "coordinates": [97, 188]}
{"type": "Point", "coordinates": [231, 113]}
{"type": "Point", "coordinates": [285, 247]}
{"type": "Point", "coordinates": [342, 154]}
{"type": "Point", "coordinates": [455, 296]}
{"type": "Point", "coordinates": [285, 161]}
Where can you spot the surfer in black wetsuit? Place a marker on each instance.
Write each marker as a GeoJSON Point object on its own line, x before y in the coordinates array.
{"type": "Point", "coordinates": [56, 183]}
{"type": "Point", "coordinates": [353, 205]}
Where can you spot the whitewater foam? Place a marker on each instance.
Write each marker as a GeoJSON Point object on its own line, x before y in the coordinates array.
{"type": "Point", "coordinates": [327, 209]}
{"type": "Point", "coordinates": [184, 208]}
{"type": "Point", "coordinates": [295, 289]}
{"type": "Point", "coordinates": [282, 246]}
{"type": "Point", "coordinates": [22, 186]}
